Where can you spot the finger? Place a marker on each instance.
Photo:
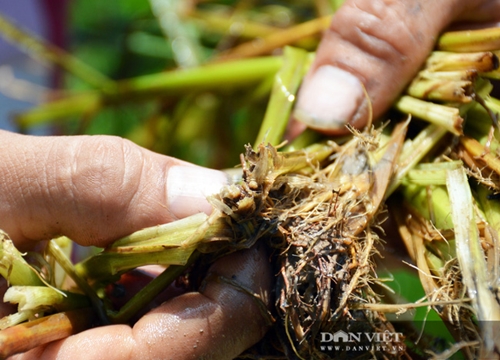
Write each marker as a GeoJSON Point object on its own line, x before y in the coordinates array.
{"type": "Point", "coordinates": [487, 12]}
{"type": "Point", "coordinates": [93, 189]}
{"type": "Point", "coordinates": [377, 45]}
{"type": "Point", "coordinates": [219, 323]}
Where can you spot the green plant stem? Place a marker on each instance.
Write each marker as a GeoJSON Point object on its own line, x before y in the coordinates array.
{"type": "Point", "coordinates": [470, 40]}
{"type": "Point", "coordinates": [40, 49]}
{"type": "Point", "coordinates": [207, 77]}
{"type": "Point", "coordinates": [440, 115]}
{"type": "Point", "coordinates": [430, 174]}
{"type": "Point", "coordinates": [187, 52]}
{"type": "Point", "coordinates": [424, 188]}
{"type": "Point", "coordinates": [150, 291]}
{"type": "Point", "coordinates": [172, 83]}
{"type": "Point", "coordinates": [13, 267]}
{"type": "Point", "coordinates": [38, 298]}
{"type": "Point", "coordinates": [491, 210]}
{"type": "Point", "coordinates": [108, 264]}
{"type": "Point", "coordinates": [432, 202]}
{"type": "Point", "coordinates": [59, 275]}
{"type": "Point", "coordinates": [448, 61]}
{"type": "Point", "coordinates": [457, 75]}
{"type": "Point", "coordinates": [478, 151]}
{"type": "Point", "coordinates": [56, 252]}
{"type": "Point", "coordinates": [492, 74]}
{"type": "Point", "coordinates": [306, 138]}
{"type": "Point", "coordinates": [245, 28]}
{"type": "Point", "coordinates": [493, 104]}
{"type": "Point", "coordinates": [441, 90]}
{"type": "Point", "coordinates": [170, 244]}
{"type": "Point", "coordinates": [286, 83]}
{"type": "Point", "coordinates": [471, 258]}
{"type": "Point", "coordinates": [17, 318]}
{"type": "Point", "coordinates": [170, 234]}
{"type": "Point", "coordinates": [414, 151]}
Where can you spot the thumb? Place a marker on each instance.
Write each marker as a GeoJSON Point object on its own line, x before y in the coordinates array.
{"type": "Point", "coordinates": [93, 189]}
{"type": "Point", "coordinates": [377, 45]}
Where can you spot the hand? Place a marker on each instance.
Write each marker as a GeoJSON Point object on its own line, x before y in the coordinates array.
{"type": "Point", "coordinates": [377, 45]}
{"type": "Point", "coordinates": [97, 189]}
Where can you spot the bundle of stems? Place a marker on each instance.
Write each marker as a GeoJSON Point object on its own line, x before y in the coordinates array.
{"type": "Point", "coordinates": [321, 206]}
{"type": "Point", "coordinates": [448, 216]}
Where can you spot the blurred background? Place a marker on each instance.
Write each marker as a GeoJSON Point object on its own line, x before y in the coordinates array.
{"type": "Point", "coordinates": [23, 80]}
{"type": "Point", "coordinates": [130, 39]}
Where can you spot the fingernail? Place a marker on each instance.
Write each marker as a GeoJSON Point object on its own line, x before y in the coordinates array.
{"type": "Point", "coordinates": [329, 99]}
{"type": "Point", "coordinates": [188, 188]}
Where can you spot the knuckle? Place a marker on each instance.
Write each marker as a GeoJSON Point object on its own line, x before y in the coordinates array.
{"type": "Point", "coordinates": [384, 30]}
{"type": "Point", "coordinates": [101, 177]}
{"type": "Point", "coordinates": [105, 169]}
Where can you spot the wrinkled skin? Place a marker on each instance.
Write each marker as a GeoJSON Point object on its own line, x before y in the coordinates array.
{"type": "Point", "coordinates": [96, 189]}
{"type": "Point", "coordinates": [379, 45]}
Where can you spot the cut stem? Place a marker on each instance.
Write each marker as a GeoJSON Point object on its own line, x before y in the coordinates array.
{"type": "Point", "coordinates": [26, 336]}
{"type": "Point", "coordinates": [479, 152]}
{"type": "Point", "coordinates": [457, 75]}
{"type": "Point", "coordinates": [17, 318]}
{"type": "Point", "coordinates": [444, 116]}
{"type": "Point", "coordinates": [13, 267]}
{"type": "Point", "coordinates": [441, 90]}
{"type": "Point", "coordinates": [470, 40]}
{"type": "Point", "coordinates": [39, 298]}
{"type": "Point", "coordinates": [448, 61]}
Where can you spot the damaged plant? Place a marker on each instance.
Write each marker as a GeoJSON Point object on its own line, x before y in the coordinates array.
{"type": "Point", "coordinates": [320, 209]}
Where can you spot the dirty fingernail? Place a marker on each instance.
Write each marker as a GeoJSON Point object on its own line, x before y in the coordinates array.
{"type": "Point", "coordinates": [188, 188]}
{"type": "Point", "coordinates": [329, 99]}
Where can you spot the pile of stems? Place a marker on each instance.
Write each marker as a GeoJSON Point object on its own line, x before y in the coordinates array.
{"type": "Point", "coordinates": [450, 223]}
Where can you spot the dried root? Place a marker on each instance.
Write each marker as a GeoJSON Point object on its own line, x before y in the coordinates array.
{"type": "Point", "coordinates": [320, 227]}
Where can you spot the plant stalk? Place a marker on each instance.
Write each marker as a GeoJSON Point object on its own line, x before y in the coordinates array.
{"type": "Point", "coordinates": [26, 336]}
{"type": "Point", "coordinates": [448, 61]}
{"type": "Point", "coordinates": [286, 83]}
{"type": "Point", "coordinates": [150, 291]}
{"type": "Point", "coordinates": [172, 83]}
{"type": "Point", "coordinates": [442, 90]}
{"type": "Point", "coordinates": [13, 267]}
{"type": "Point", "coordinates": [471, 259]}
{"type": "Point", "coordinates": [470, 40]}
{"type": "Point", "coordinates": [444, 116]}
{"type": "Point", "coordinates": [278, 39]}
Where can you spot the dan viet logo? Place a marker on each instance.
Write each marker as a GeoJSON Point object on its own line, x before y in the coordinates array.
{"type": "Point", "coordinates": [360, 341]}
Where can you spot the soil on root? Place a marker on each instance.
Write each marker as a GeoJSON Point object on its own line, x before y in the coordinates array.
{"type": "Point", "coordinates": [319, 225]}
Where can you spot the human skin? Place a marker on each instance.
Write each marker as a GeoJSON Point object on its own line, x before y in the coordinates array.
{"type": "Point", "coordinates": [377, 45]}
{"type": "Point", "coordinates": [96, 189]}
